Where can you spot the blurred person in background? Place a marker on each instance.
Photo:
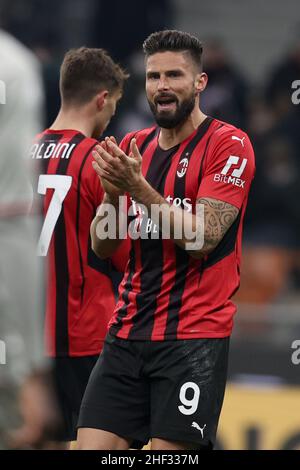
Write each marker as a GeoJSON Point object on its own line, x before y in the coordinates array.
{"type": "Point", "coordinates": [152, 16]}
{"type": "Point", "coordinates": [278, 89]}
{"type": "Point", "coordinates": [272, 225]}
{"type": "Point", "coordinates": [271, 257]}
{"type": "Point", "coordinates": [133, 112]}
{"type": "Point", "coordinates": [80, 293]}
{"type": "Point", "coordinates": [26, 402]}
{"type": "Point", "coordinates": [272, 228]}
{"type": "Point", "coordinates": [225, 98]}
{"type": "Point", "coordinates": [136, 112]}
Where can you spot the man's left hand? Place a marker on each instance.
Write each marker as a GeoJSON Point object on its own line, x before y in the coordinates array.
{"type": "Point", "coordinates": [119, 169]}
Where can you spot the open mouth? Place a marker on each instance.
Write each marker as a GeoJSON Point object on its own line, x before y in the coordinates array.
{"type": "Point", "coordinates": [165, 104]}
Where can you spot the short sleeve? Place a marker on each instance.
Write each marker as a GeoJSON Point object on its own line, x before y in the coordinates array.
{"type": "Point", "coordinates": [228, 169]}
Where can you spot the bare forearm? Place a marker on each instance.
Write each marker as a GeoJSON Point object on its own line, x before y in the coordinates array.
{"type": "Point", "coordinates": [106, 232]}
{"type": "Point", "coordinates": [175, 223]}
{"type": "Point", "coordinates": [219, 216]}
{"type": "Point", "coordinates": [199, 233]}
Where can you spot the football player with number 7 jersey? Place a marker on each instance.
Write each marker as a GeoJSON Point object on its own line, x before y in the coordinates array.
{"type": "Point", "coordinates": [80, 295]}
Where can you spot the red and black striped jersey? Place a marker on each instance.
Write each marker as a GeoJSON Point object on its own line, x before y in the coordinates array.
{"type": "Point", "coordinates": [165, 293]}
{"type": "Point", "coordinates": [80, 298]}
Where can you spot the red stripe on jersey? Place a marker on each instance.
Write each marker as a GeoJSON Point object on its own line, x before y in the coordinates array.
{"type": "Point", "coordinates": [147, 156]}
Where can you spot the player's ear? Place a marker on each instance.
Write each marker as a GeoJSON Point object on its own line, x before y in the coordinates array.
{"type": "Point", "coordinates": [201, 82]}
{"type": "Point", "coordinates": [101, 99]}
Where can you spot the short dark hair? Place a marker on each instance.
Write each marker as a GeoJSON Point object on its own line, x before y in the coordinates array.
{"type": "Point", "coordinates": [173, 40]}
{"type": "Point", "coordinates": [86, 71]}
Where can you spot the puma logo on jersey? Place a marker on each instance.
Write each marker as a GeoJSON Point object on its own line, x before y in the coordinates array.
{"type": "Point", "coordinates": [234, 137]}
{"type": "Point", "coordinates": [196, 425]}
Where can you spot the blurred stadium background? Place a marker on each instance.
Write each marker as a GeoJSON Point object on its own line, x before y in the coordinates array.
{"type": "Point", "coordinates": [252, 56]}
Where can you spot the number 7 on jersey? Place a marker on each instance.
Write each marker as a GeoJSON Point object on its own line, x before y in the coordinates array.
{"type": "Point", "coordinates": [61, 185]}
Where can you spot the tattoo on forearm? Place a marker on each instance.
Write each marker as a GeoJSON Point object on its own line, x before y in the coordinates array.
{"type": "Point", "coordinates": [218, 217]}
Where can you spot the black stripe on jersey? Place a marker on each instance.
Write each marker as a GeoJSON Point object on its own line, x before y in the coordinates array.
{"type": "Point", "coordinates": [148, 140]}
{"type": "Point", "coordinates": [127, 288]}
{"type": "Point", "coordinates": [226, 245]}
{"type": "Point", "coordinates": [78, 217]}
{"type": "Point", "coordinates": [49, 138]}
{"type": "Point", "coordinates": [61, 266]}
{"type": "Point", "coordinates": [182, 258]}
{"type": "Point", "coordinates": [151, 276]}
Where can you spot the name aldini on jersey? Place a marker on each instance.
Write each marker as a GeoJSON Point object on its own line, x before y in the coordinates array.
{"type": "Point", "coordinates": [51, 150]}
{"type": "Point", "coordinates": [143, 225]}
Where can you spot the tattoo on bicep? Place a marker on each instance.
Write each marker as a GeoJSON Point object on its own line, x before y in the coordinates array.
{"type": "Point", "coordinates": [218, 217]}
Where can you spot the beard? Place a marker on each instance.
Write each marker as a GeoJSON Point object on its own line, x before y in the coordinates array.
{"type": "Point", "coordinates": [169, 120]}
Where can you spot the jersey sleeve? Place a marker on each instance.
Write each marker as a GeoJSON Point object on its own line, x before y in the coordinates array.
{"type": "Point", "coordinates": [228, 169]}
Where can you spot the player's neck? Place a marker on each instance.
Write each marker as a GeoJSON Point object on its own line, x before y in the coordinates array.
{"type": "Point", "coordinates": [170, 137]}
{"type": "Point", "coordinates": [73, 120]}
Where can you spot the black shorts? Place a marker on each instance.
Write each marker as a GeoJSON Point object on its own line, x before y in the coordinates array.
{"type": "Point", "coordinates": [171, 390]}
{"type": "Point", "coordinates": [71, 375]}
